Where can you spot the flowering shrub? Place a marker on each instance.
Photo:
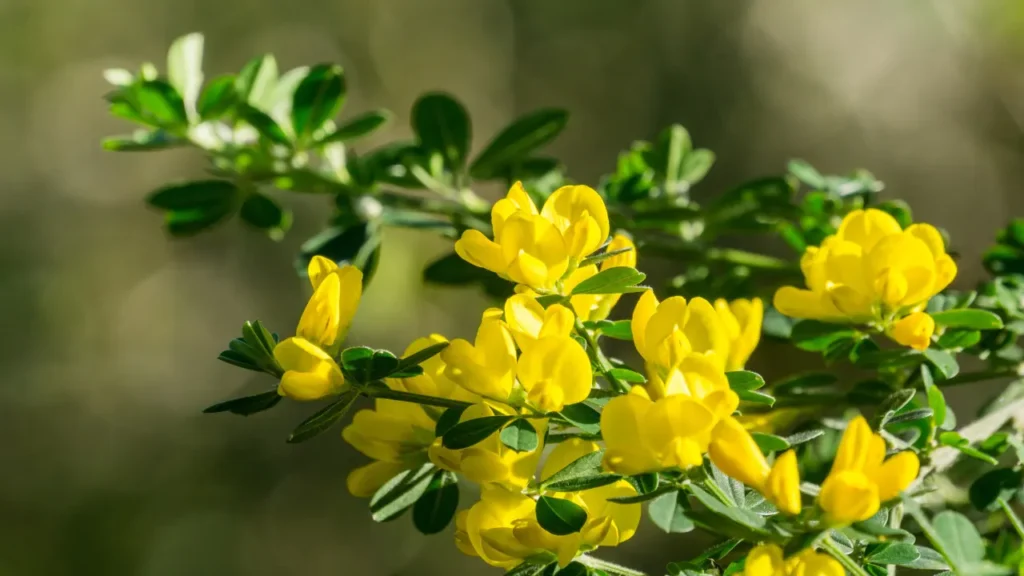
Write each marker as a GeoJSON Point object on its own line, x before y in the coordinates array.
{"type": "Point", "coordinates": [859, 467]}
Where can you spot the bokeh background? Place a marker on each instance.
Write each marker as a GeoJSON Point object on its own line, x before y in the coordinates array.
{"type": "Point", "coordinates": [111, 329]}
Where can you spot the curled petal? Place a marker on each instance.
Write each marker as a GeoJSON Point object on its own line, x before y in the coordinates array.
{"type": "Point", "coordinates": [914, 330]}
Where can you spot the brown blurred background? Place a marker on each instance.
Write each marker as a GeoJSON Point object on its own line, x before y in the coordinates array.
{"type": "Point", "coordinates": [108, 468]}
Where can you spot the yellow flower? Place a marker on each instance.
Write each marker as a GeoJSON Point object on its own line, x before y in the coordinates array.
{"type": "Point", "coordinates": [673, 431]}
{"type": "Point", "coordinates": [555, 371]}
{"type": "Point", "coordinates": [503, 530]}
{"type": "Point", "coordinates": [336, 295]}
{"type": "Point", "coordinates": [742, 320]}
{"type": "Point", "coordinates": [309, 372]}
{"type": "Point", "coordinates": [664, 333]}
{"type": "Point", "coordinates": [861, 478]}
{"type": "Point", "coordinates": [914, 330]}
{"type": "Point", "coordinates": [597, 306]}
{"type": "Point", "coordinates": [486, 367]}
{"type": "Point", "coordinates": [736, 454]}
{"type": "Point", "coordinates": [869, 271]}
{"type": "Point", "coordinates": [399, 435]}
{"type": "Point", "coordinates": [767, 560]}
{"type": "Point", "coordinates": [537, 248]}
{"type": "Point", "coordinates": [529, 321]}
{"type": "Point", "coordinates": [490, 461]}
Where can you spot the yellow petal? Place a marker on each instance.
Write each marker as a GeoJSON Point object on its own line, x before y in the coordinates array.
{"type": "Point", "coordinates": [321, 320]}
{"type": "Point", "coordinates": [782, 487]}
{"type": "Point", "coordinates": [848, 496]}
{"type": "Point", "coordinates": [569, 205]}
{"type": "Point", "coordinates": [736, 454]}
{"type": "Point", "coordinates": [364, 481]}
{"type": "Point", "coordinates": [764, 560]}
{"type": "Point", "coordinates": [867, 227]}
{"type": "Point", "coordinates": [310, 373]}
{"type": "Point", "coordinates": [797, 303]}
{"type": "Point", "coordinates": [896, 474]}
{"type": "Point", "coordinates": [555, 371]}
{"type": "Point", "coordinates": [525, 318]}
{"type": "Point", "coordinates": [480, 251]}
{"type": "Point", "coordinates": [318, 269]}
{"type": "Point", "coordinates": [914, 330]}
{"type": "Point", "coordinates": [646, 306]}
{"type": "Point", "coordinates": [622, 421]}
{"type": "Point", "coordinates": [818, 564]}
{"type": "Point", "coordinates": [858, 447]}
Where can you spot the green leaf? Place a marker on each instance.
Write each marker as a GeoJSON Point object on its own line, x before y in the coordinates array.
{"type": "Point", "coordinates": [357, 244]}
{"type": "Point", "coordinates": [199, 194]}
{"type": "Point", "coordinates": [755, 397]}
{"type": "Point", "coordinates": [615, 280]}
{"type": "Point", "coordinates": [401, 492]}
{"type": "Point", "coordinates": [143, 141]}
{"type": "Point", "coordinates": [421, 356]}
{"type": "Point", "coordinates": [805, 384]}
{"type": "Point", "coordinates": [899, 210]}
{"type": "Point", "coordinates": [256, 79]}
{"type": "Point", "coordinates": [470, 432]}
{"type": "Point", "coordinates": [668, 512]}
{"type": "Point", "coordinates": [599, 257]}
{"type": "Point", "coordinates": [263, 213]}
{"type": "Point", "coordinates": [435, 509]}
{"type": "Point", "coordinates": [583, 416]}
{"type": "Point", "coordinates": [958, 339]}
{"type": "Point", "coordinates": [628, 375]}
{"type": "Point", "coordinates": [993, 485]}
{"type": "Point", "coordinates": [637, 499]}
{"type": "Point", "coordinates": [358, 127]}
{"type": "Point", "coordinates": [192, 221]}
{"type": "Point", "coordinates": [895, 553]}
{"type": "Point", "coordinates": [575, 569]}
{"type": "Point", "coordinates": [620, 330]}
{"type": "Point", "coordinates": [514, 143]}
{"type": "Point", "coordinates": [529, 567]}
{"type": "Point", "coordinates": [802, 437]}
{"type": "Point", "coordinates": [160, 104]}
{"type": "Point", "coordinates": [520, 436]}
{"type": "Point", "coordinates": [815, 336]}
{"type": "Point", "coordinates": [929, 560]}
{"type": "Point", "coordinates": [807, 174]}
{"type": "Point", "coordinates": [876, 531]}
{"type": "Point", "coordinates": [971, 318]}
{"type": "Point", "coordinates": [959, 537]}
{"type": "Point", "coordinates": [560, 517]}
{"type": "Point", "coordinates": [442, 125]}
{"type": "Point", "coordinates": [264, 124]}
{"type": "Point", "coordinates": [218, 98]}
{"type": "Point", "coordinates": [943, 361]}
{"type": "Point", "coordinates": [585, 466]}
{"type": "Point", "coordinates": [451, 270]}
{"type": "Point", "coordinates": [247, 405]}
{"type": "Point", "coordinates": [582, 483]}
{"type": "Point", "coordinates": [448, 419]}
{"type": "Point", "coordinates": [257, 336]}
{"type": "Point", "coordinates": [911, 416]}
{"type": "Point", "coordinates": [239, 360]}
{"type": "Point", "coordinates": [317, 99]}
{"type": "Point", "coordinates": [744, 380]}
{"type": "Point", "coordinates": [770, 442]}
{"type": "Point", "coordinates": [743, 517]}
{"type": "Point", "coordinates": [185, 67]}
{"type": "Point", "coordinates": [963, 445]}
{"type": "Point", "coordinates": [936, 401]}
{"type": "Point", "coordinates": [892, 404]}
{"type": "Point", "coordinates": [696, 165]}
{"type": "Point", "coordinates": [324, 418]}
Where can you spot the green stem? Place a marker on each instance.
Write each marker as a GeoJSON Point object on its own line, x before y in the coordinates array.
{"type": "Point", "coordinates": [609, 567]}
{"type": "Point", "coordinates": [847, 562]}
{"type": "Point", "coordinates": [389, 394]}
{"type": "Point", "coordinates": [598, 357]}
{"type": "Point", "coordinates": [1013, 517]}
{"type": "Point", "coordinates": [715, 489]}
{"type": "Point", "coordinates": [929, 531]}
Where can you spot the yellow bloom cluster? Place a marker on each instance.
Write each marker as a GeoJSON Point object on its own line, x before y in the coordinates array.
{"type": "Point", "coordinates": [308, 358]}
{"type": "Point", "coordinates": [871, 271]}
{"type": "Point", "coordinates": [768, 560]}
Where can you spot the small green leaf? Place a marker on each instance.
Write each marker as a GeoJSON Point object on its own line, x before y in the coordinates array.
{"type": "Point", "coordinates": [448, 419]}
{"type": "Point", "coordinates": [323, 419]}
{"type": "Point", "coordinates": [401, 492]}
{"type": "Point", "coordinates": [358, 127]}
{"type": "Point", "coordinates": [911, 416]}
{"type": "Point", "coordinates": [218, 98]}
{"type": "Point", "coordinates": [755, 397]}
{"type": "Point", "coordinates": [317, 99]}
{"type": "Point", "coordinates": [160, 104]}
{"type": "Point", "coordinates": [770, 442]}
{"type": "Point", "coordinates": [470, 432]}
{"type": "Point", "coordinates": [583, 416]}
{"type": "Point", "coordinates": [959, 537]}
{"type": "Point", "coordinates": [696, 165]}
{"type": "Point", "coordinates": [264, 124]}
{"type": "Point", "coordinates": [744, 380]}
{"type": "Point", "coordinates": [895, 553]}
{"type": "Point", "coordinates": [520, 436]}
{"type": "Point", "coordinates": [517, 141]}
{"type": "Point", "coordinates": [958, 339]}
{"type": "Point", "coordinates": [628, 375]}
{"type": "Point", "coordinates": [637, 499]}
{"type": "Point", "coordinates": [971, 318]}
{"type": "Point", "coordinates": [668, 512]}
{"type": "Point", "coordinates": [582, 483]}
{"type": "Point", "coordinates": [620, 330]}
{"type": "Point", "coordinates": [247, 405]}
{"type": "Point", "coordinates": [615, 280]}
{"type": "Point", "coordinates": [442, 125]}
{"type": "Point", "coordinates": [993, 485]}
{"type": "Point", "coordinates": [143, 141]}
{"type": "Point", "coordinates": [892, 404]}
{"type": "Point", "coordinates": [585, 466]}
{"type": "Point", "coordinates": [575, 569]}
{"type": "Point", "coordinates": [963, 445]}
{"type": "Point", "coordinates": [560, 517]}
{"type": "Point", "coordinates": [194, 220]}
{"type": "Point", "coordinates": [943, 361]}
{"type": "Point", "coordinates": [435, 509]}
{"type": "Point", "coordinates": [599, 257]}
{"type": "Point", "coordinates": [262, 212]}
{"type": "Point", "coordinates": [421, 356]}
{"type": "Point", "coordinates": [929, 560]}
{"type": "Point", "coordinates": [815, 336]}
{"type": "Point", "coordinates": [745, 518]}
{"type": "Point", "coordinates": [382, 364]}
{"type": "Point", "coordinates": [240, 360]}
{"type": "Point", "coordinates": [936, 400]}
{"type": "Point", "coordinates": [807, 174]}
{"type": "Point", "coordinates": [534, 567]}
{"type": "Point", "coordinates": [802, 437]}
{"type": "Point", "coordinates": [199, 194]}
{"type": "Point", "coordinates": [256, 79]}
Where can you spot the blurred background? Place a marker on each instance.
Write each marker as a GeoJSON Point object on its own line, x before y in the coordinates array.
{"type": "Point", "coordinates": [108, 467]}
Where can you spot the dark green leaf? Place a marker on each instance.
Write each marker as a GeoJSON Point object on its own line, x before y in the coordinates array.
{"type": "Point", "coordinates": [892, 404]}
{"type": "Point", "coordinates": [195, 220]}
{"type": "Point", "coordinates": [743, 517]}
{"type": "Point", "coordinates": [442, 125]}
{"type": "Point", "coordinates": [573, 569]}
{"type": "Point", "coordinates": [958, 339]}
{"type": "Point", "coordinates": [560, 517]}
{"type": "Point", "coordinates": [770, 442]}
{"type": "Point", "coordinates": [401, 492]}
{"type": "Point", "coordinates": [943, 361]}
{"type": "Point", "coordinates": [744, 380]}
{"type": "Point", "coordinates": [646, 483]}
{"type": "Point", "coordinates": [421, 356]}
{"type": "Point", "coordinates": [218, 98]}
{"type": "Point", "coordinates": [895, 553]}
{"type": "Point", "coordinates": [247, 405]}
{"type": "Point", "coordinates": [448, 419]}
{"type": "Point", "coordinates": [615, 280]}
{"type": "Point", "coordinates": [620, 330]}
{"type": "Point", "coordinates": [264, 124]}
{"type": "Point", "coordinates": [637, 499]}
{"type": "Point", "coordinates": [199, 194]}
{"type": "Point", "coordinates": [882, 532]}
{"type": "Point", "coordinates": [436, 507]}
{"type": "Point", "coordinates": [263, 213]}
{"type": "Point", "coordinates": [815, 336]}
{"type": "Point", "coordinates": [323, 419]}
{"type": "Point", "coordinates": [582, 483]}
{"type": "Point", "coordinates": [911, 416]}
{"type": "Point", "coordinates": [358, 127]}
{"type": "Point", "coordinates": [668, 512]}
{"type": "Point", "coordinates": [530, 567]}
{"type": "Point", "coordinates": [628, 375]}
{"type": "Point", "coordinates": [240, 360]}
{"type": "Point", "coordinates": [936, 400]}
{"type": "Point", "coordinates": [583, 416]}
{"type": "Point", "coordinates": [585, 466]}
{"type": "Point", "coordinates": [355, 244]}
{"type": "Point", "coordinates": [993, 485]}
{"type": "Point", "coordinates": [755, 397]}
{"type": "Point", "coordinates": [160, 103]}
{"type": "Point", "coordinates": [971, 318]}
{"type": "Point", "coordinates": [317, 99]}
{"type": "Point", "coordinates": [470, 432]}
{"type": "Point", "coordinates": [520, 436]}
{"type": "Point", "coordinates": [514, 143]}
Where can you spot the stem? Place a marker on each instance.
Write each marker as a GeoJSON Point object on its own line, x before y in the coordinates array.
{"type": "Point", "coordinates": [929, 531]}
{"type": "Point", "coordinates": [608, 567]}
{"type": "Point", "coordinates": [1013, 517]}
{"type": "Point", "coordinates": [598, 357]}
{"type": "Point", "coordinates": [389, 394]}
{"type": "Point", "coordinates": [715, 489]}
{"type": "Point", "coordinates": [847, 562]}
